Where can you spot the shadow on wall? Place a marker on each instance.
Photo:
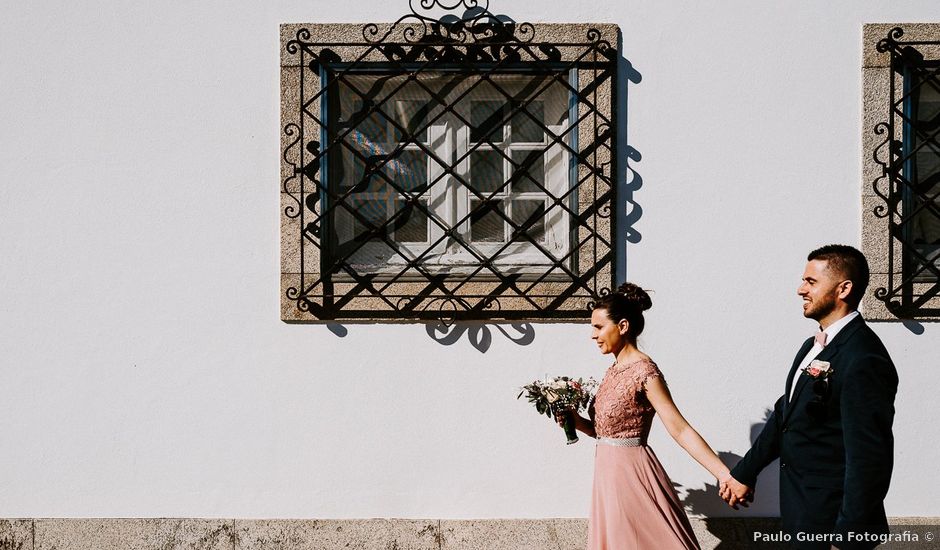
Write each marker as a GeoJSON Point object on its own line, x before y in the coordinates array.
{"type": "Point", "coordinates": [480, 335]}
{"type": "Point", "coordinates": [706, 502]}
{"type": "Point", "coordinates": [913, 326]}
{"type": "Point", "coordinates": [628, 179]}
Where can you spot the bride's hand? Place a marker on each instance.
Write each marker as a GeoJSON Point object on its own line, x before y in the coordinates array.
{"type": "Point", "coordinates": [561, 415]}
{"type": "Point", "coordinates": [735, 493]}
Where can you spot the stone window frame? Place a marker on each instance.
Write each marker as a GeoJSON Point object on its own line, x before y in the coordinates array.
{"type": "Point", "coordinates": [476, 297]}
{"type": "Point", "coordinates": [889, 297]}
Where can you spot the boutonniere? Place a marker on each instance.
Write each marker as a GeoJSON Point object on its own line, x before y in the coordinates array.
{"type": "Point", "coordinates": [818, 369]}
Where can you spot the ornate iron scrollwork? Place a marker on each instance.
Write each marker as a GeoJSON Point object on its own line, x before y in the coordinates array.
{"type": "Point", "coordinates": [393, 218]}
{"type": "Point", "coordinates": [909, 184]}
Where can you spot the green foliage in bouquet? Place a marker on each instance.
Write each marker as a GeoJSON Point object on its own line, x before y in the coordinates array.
{"type": "Point", "coordinates": [560, 395]}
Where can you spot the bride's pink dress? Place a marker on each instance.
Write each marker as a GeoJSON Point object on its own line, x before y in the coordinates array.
{"type": "Point", "coordinates": [634, 504]}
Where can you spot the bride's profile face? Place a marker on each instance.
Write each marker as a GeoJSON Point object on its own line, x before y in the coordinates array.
{"type": "Point", "coordinates": [609, 336]}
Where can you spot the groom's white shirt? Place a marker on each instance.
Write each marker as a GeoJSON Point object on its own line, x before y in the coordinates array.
{"type": "Point", "coordinates": [831, 332]}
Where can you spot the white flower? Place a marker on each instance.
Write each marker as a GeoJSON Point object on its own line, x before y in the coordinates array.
{"type": "Point", "coordinates": [823, 366]}
{"type": "Point", "coordinates": [817, 369]}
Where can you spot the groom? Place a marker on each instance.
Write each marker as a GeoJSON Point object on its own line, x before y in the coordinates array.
{"type": "Point", "coordinates": [831, 429]}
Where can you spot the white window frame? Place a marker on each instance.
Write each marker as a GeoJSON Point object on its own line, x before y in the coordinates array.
{"type": "Point", "coordinates": [449, 200]}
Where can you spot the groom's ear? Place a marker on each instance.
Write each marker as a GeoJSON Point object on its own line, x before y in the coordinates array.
{"type": "Point", "coordinates": [845, 288]}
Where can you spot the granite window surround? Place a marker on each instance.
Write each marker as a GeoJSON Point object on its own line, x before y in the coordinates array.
{"type": "Point", "coordinates": [460, 175]}
{"type": "Point", "coordinates": [900, 159]}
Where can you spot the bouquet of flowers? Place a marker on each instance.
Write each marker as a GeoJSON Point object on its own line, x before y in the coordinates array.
{"type": "Point", "coordinates": [560, 396]}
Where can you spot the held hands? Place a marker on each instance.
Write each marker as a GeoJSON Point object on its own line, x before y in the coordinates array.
{"type": "Point", "coordinates": [735, 493]}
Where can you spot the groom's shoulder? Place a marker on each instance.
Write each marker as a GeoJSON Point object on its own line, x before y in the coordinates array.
{"type": "Point", "coordinates": [864, 340]}
{"type": "Point", "coordinates": [868, 335]}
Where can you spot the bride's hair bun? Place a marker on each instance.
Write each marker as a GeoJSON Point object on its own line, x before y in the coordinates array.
{"type": "Point", "coordinates": [636, 296]}
{"type": "Point", "coordinates": [628, 303]}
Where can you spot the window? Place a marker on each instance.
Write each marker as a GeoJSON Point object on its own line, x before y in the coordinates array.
{"type": "Point", "coordinates": [421, 156]}
{"type": "Point", "coordinates": [922, 168]}
{"type": "Point", "coordinates": [903, 226]}
{"type": "Point", "coordinates": [456, 168]}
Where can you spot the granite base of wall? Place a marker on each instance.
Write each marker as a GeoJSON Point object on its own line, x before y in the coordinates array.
{"type": "Point", "coordinates": [378, 534]}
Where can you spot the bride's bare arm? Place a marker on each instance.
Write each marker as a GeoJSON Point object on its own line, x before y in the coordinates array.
{"type": "Point", "coordinates": [680, 430]}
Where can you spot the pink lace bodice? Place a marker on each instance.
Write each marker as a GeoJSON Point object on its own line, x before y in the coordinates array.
{"type": "Point", "coordinates": [620, 407]}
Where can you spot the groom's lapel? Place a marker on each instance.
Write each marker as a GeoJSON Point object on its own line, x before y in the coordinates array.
{"type": "Point", "coordinates": [807, 345]}
{"type": "Point", "coordinates": [840, 339]}
{"type": "Point", "coordinates": [826, 354]}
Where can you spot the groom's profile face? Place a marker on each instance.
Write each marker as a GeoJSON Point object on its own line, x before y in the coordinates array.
{"type": "Point", "coordinates": [819, 290]}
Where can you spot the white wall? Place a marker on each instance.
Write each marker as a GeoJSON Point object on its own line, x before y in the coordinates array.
{"type": "Point", "coordinates": [144, 370]}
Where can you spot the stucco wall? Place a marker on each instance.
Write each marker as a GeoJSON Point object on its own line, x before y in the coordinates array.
{"type": "Point", "coordinates": [143, 366]}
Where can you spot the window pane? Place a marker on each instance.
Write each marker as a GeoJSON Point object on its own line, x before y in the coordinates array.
{"type": "Point", "coordinates": [486, 119]}
{"type": "Point", "coordinates": [413, 116]}
{"type": "Point", "coordinates": [524, 125]}
{"type": "Point", "coordinates": [364, 120]}
{"type": "Point", "coordinates": [373, 211]}
{"type": "Point", "coordinates": [529, 168]}
{"type": "Point", "coordinates": [526, 211]}
{"type": "Point", "coordinates": [925, 222]}
{"type": "Point", "coordinates": [409, 170]}
{"type": "Point", "coordinates": [412, 225]}
{"type": "Point", "coordinates": [486, 225]}
{"type": "Point", "coordinates": [925, 228]}
{"type": "Point", "coordinates": [361, 169]}
{"type": "Point", "coordinates": [366, 146]}
{"type": "Point", "coordinates": [486, 170]}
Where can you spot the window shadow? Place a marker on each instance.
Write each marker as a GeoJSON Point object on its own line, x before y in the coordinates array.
{"type": "Point", "coordinates": [480, 335]}
{"type": "Point", "coordinates": [913, 326]}
{"type": "Point", "coordinates": [629, 181]}
{"type": "Point", "coordinates": [338, 329]}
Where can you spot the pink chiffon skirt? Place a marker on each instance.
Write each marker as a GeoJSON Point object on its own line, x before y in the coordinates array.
{"type": "Point", "coordinates": [634, 504]}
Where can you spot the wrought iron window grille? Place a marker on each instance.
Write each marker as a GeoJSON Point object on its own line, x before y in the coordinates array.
{"type": "Point", "coordinates": [909, 183]}
{"type": "Point", "coordinates": [452, 168]}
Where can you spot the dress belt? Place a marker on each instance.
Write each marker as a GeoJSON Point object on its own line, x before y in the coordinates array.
{"type": "Point", "coordinates": [621, 441]}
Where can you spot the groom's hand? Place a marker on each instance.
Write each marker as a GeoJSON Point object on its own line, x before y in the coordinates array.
{"type": "Point", "coordinates": [735, 493]}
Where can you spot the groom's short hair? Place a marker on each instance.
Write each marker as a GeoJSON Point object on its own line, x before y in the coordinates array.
{"type": "Point", "coordinates": [849, 263]}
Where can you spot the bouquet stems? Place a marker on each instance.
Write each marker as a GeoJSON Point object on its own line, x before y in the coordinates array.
{"type": "Point", "coordinates": [570, 432]}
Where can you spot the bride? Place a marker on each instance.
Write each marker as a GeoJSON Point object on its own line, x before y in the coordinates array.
{"type": "Point", "coordinates": [634, 504]}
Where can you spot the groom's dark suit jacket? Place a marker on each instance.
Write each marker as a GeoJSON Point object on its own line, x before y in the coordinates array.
{"type": "Point", "coordinates": [835, 458]}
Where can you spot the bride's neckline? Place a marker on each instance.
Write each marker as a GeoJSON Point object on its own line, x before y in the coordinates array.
{"type": "Point", "coordinates": [633, 362]}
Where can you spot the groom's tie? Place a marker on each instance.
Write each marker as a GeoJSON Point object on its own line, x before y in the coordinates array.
{"type": "Point", "coordinates": [821, 339]}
